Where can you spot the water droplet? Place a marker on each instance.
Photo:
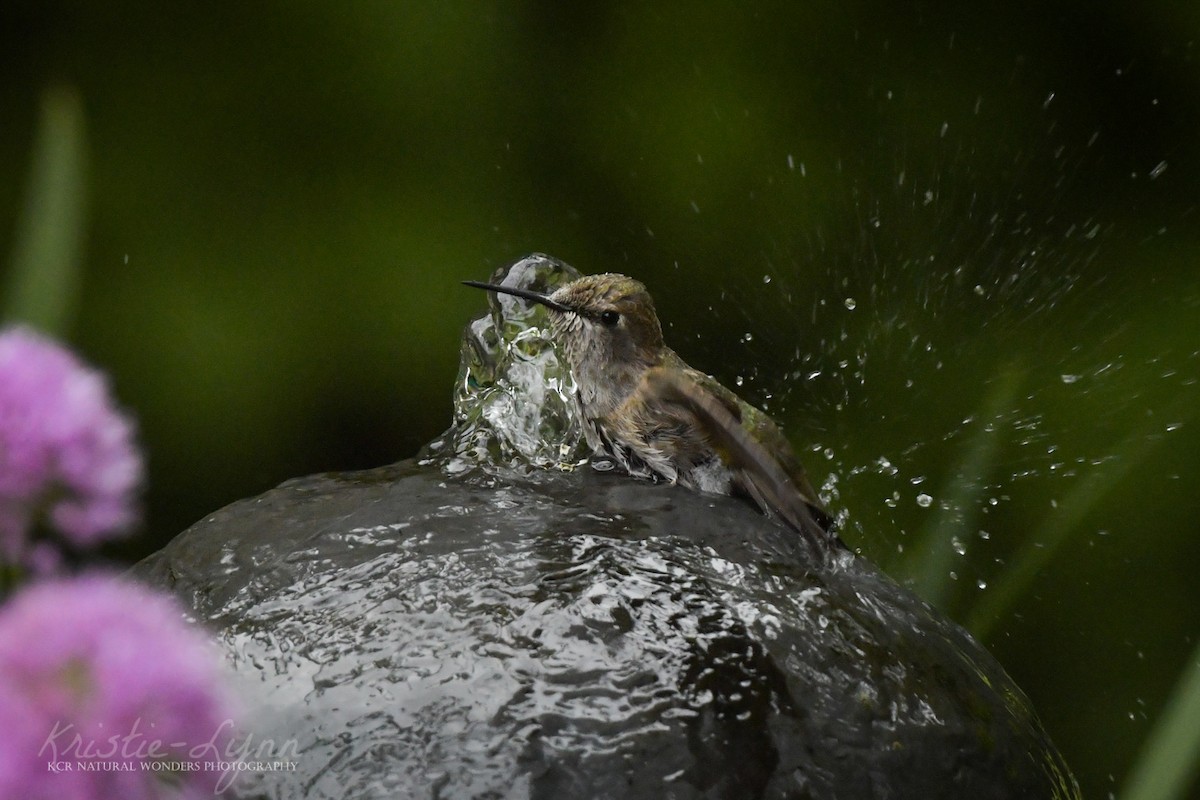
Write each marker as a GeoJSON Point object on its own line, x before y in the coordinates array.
{"type": "Point", "coordinates": [924, 500]}
{"type": "Point", "coordinates": [1159, 169]}
{"type": "Point", "coordinates": [1174, 426]}
{"type": "Point", "coordinates": [981, 583]}
{"type": "Point", "coordinates": [791, 163]}
{"type": "Point", "coordinates": [958, 546]}
{"type": "Point", "coordinates": [851, 303]}
{"type": "Point", "coordinates": [1069, 378]}
{"type": "Point", "coordinates": [747, 337]}
{"type": "Point", "coordinates": [979, 289]}
{"type": "Point", "coordinates": [984, 535]}
{"type": "Point", "coordinates": [766, 278]}
{"type": "Point", "coordinates": [739, 380]}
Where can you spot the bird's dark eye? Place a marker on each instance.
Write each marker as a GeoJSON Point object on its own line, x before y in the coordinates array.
{"type": "Point", "coordinates": [610, 318]}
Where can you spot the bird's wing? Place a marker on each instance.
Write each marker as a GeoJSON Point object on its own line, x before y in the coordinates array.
{"type": "Point", "coordinates": [763, 430]}
{"type": "Point", "coordinates": [758, 470]}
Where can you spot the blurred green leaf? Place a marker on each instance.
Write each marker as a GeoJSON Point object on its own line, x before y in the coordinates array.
{"type": "Point", "coordinates": [928, 569]}
{"type": "Point", "coordinates": [44, 282]}
{"type": "Point", "coordinates": [1166, 766]}
{"type": "Point", "coordinates": [1057, 529]}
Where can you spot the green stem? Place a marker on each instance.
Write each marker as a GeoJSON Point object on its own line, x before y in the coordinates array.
{"type": "Point", "coordinates": [928, 567]}
{"type": "Point", "coordinates": [1057, 529]}
{"type": "Point", "coordinates": [43, 285]}
{"type": "Point", "coordinates": [1167, 762]}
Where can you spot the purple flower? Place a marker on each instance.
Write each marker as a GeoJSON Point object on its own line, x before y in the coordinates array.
{"type": "Point", "coordinates": [67, 456]}
{"type": "Point", "coordinates": [107, 677]}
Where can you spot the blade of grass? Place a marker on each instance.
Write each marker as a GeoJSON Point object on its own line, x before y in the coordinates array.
{"type": "Point", "coordinates": [44, 279]}
{"type": "Point", "coordinates": [1057, 529]}
{"type": "Point", "coordinates": [1167, 763]}
{"type": "Point", "coordinates": [927, 570]}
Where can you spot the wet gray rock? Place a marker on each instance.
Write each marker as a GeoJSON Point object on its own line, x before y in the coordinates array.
{"type": "Point", "coordinates": [497, 620]}
{"type": "Point", "coordinates": [587, 636]}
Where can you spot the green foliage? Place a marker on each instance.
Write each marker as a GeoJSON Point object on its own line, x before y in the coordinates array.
{"type": "Point", "coordinates": [931, 563]}
{"type": "Point", "coordinates": [1170, 757]}
{"type": "Point", "coordinates": [43, 283]}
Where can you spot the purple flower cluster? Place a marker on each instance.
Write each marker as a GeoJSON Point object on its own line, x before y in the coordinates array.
{"type": "Point", "coordinates": [67, 457]}
{"type": "Point", "coordinates": [106, 692]}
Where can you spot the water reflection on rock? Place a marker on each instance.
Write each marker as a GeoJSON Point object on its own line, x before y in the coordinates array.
{"type": "Point", "coordinates": [583, 635]}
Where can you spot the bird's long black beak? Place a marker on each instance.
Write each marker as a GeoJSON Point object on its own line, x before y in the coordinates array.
{"type": "Point", "coordinates": [536, 297]}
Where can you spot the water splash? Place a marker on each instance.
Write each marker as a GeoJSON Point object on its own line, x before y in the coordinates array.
{"type": "Point", "coordinates": [1005, 341]}
{"type": "Point", "coordinates": [514, 400]}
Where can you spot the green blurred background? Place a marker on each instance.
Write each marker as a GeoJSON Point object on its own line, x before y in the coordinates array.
{"type": "Point", "coordinates": [955, 247]}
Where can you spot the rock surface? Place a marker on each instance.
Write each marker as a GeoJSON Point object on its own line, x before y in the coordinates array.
{"type": "Point", "coordinates": [586, 636]}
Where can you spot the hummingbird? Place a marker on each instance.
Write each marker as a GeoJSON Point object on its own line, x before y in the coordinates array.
{"type": "Point", "coordinates": [659, 418]}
